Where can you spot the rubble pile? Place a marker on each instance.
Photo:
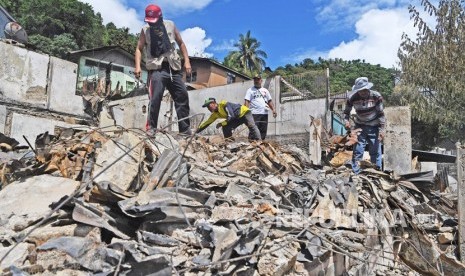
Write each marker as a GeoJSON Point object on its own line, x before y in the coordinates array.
{"type": "Point", "coordinates": [120, 202]}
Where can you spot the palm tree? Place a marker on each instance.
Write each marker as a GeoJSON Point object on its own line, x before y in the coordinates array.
{"type": "Point", "coordinates": [248, 56]}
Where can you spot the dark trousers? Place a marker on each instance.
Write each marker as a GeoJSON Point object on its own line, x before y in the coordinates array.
{"type": "Point", "coordinates": [247, 119]}
{"type": "Point", "coordinates": [159, 80]}
{"type": "Point", "coordinates": [261, 120]}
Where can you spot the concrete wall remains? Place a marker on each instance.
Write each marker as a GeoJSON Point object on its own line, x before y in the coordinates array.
{"type": "Point", "coordinates": [398, 142]}
{"type": "Point", "coordinates": [37, 93]}
{"type": "Point", "coordinates": [128, 113]}
{"type": "Point", "coordinates": [30, 126]}
{"type": "Point", "coordinates": [315, 141]}
{"type": "Point", "coordinates": [23, 75]}
{"type": "Point", "coordinates": [62, 88]}
{"type": "Point", "coordinates": [293, 117]}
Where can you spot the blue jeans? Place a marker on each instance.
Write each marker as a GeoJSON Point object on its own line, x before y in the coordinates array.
{"type": "Point", "coordinates": [368, 137]}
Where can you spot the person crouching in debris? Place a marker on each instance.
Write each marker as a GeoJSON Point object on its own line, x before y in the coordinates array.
{"type": "Point", "coordinates": [235, 115]}
{"type": "Point", "coordinates": [369, 117]}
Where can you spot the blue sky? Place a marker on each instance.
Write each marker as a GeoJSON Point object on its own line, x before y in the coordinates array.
{"type": "Point", "coordinates": [289, 31]}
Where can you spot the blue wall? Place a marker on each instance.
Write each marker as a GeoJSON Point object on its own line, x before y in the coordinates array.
{"type": "Point", "coordinates": [337, 125]}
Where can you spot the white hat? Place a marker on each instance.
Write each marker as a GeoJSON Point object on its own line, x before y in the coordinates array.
{"type": "Point", "coordinates": [361, 83]}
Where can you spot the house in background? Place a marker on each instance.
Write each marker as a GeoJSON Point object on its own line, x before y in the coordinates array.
{"type": "Point", "coordinates": [208, 73]}
{"type": "Point", "coordinates": [106, 71]}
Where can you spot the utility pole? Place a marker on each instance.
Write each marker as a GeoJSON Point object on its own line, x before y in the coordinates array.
{"type": "Point", "coordinates": [461, 199]}
{"type": "Point", "coordinates": [328, 122]}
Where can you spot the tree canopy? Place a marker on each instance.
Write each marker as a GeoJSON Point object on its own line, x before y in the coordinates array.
{"type": "Point", "coordinates": [58, 26]}
{"type": "Point", "coordinates": [433, 75]}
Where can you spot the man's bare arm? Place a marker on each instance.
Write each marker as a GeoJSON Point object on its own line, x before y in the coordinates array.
{"type": "Point", "coordinates": [138, 54]}
{"type": "Point", "coordinates": [183, 48]}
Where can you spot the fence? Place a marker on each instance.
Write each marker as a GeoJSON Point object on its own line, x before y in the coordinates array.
{"type": "Point", "coordinates": [305, 86]}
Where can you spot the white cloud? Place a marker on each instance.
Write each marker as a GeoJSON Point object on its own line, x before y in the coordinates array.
{"type": "Point", "coordinates": [379, 37]}
{"type": "Point", "coordinates": [124, 16]}
{"type": "Point", "coordinates": [342, 14]}
{"type": "Point", "coordinates": [378, 31]}
{"type": "Point", "coordinates": [119, 14]}
{"type": "Point", "coordinates": [379, 34]}
{"type": "Point", "coordinates": [225, 46]}
{"type": "Point", "coordinates": [196, 41]}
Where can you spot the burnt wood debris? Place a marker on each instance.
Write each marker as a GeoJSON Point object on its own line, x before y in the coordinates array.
{"type": "Point", "coordinates": [124, 203]}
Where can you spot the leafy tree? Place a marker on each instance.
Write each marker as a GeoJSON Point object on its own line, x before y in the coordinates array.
{"type": "Point", "coordinates": [62, 44]}
{"type": "Point", "coordinates": [120, 37]}
{"type": "Point", "coordinates": [12, 6]}
{"type": "Point", "coordinates": [40, 42]}
{"type": "Point", "coordinates": [307, 63]}
{"type": "Point", "coordinates": [57, 26]}
{"type": "Point", "coordinates": [232, 62]}
{"type": "Point", "coordinates": [50, 18]}
{"type": "Point", "coordinates": [433, 75]}
{"type": "Point", "coordinates": [59, 46]}
{"type": "Point", "coordinates": [248, 55]}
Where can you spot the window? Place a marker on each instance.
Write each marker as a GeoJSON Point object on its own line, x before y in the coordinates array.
{"type": "Point", "coordinates": [117, 68]}
{"type": "Point", "coordinates": [130, 85]}
{"type": "Point", "coordinates": [103, 65]}
{"type": "Point", "coordinates": [192, 77]}
{"type": "Point", "coordinates": [231, 78]}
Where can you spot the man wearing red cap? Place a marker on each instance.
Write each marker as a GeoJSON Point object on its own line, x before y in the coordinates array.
{"type": "Point", "coordinates": [163, 62]}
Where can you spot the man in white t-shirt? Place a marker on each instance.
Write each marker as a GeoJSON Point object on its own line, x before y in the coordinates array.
{"type": "Point", "coordinates": [258, 99]}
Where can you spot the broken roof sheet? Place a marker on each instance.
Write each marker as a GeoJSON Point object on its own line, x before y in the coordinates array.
{"type": "Point", "coordinates": [188, 206]}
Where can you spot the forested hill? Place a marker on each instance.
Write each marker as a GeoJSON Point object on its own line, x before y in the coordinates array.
{"type": "Point", "coordinates": [343, 73]}
{"type": "Point", "coordinates": [59, 26]}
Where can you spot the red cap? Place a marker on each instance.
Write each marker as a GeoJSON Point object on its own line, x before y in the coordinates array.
{"type": "Point", "coordinates": [152, 13]}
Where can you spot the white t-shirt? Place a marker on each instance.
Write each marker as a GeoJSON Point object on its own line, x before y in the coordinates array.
{"type": "Point", "coordinates": [258, 98]}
